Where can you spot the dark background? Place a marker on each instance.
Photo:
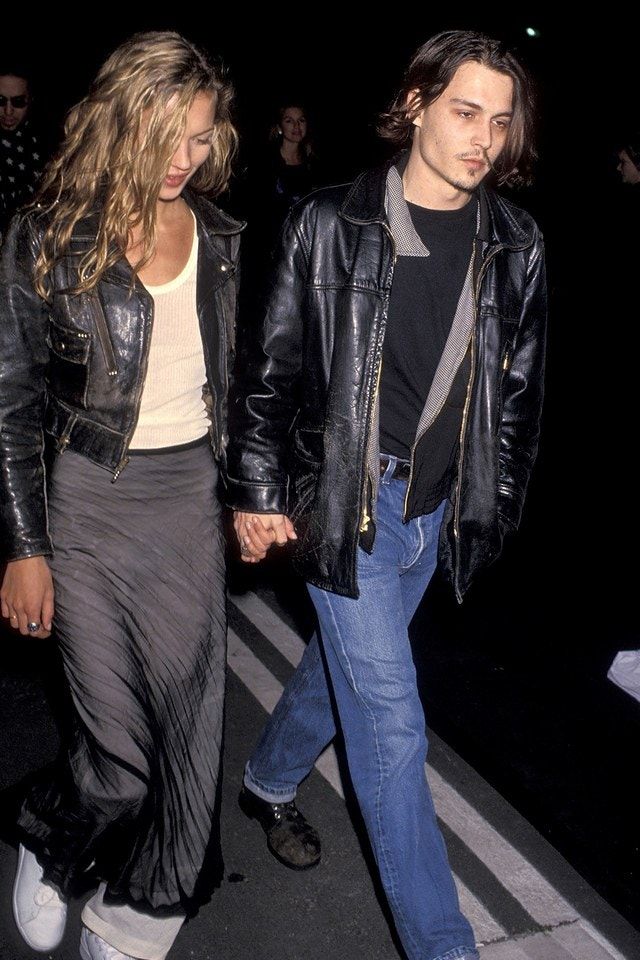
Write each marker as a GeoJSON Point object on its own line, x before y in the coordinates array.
{"type": "Point", "coordinates": [514, 679]}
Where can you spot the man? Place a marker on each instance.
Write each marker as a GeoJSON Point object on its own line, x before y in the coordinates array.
{"type": "Point", "coordinates": [20, 148]}
{"type": "Point", "coordinates": [390, 419]}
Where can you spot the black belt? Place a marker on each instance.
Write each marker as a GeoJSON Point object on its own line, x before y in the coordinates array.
{"type": "Point", "coordinates": [176, 448]}
{"type": "Point", "coordinates": [401, 471]}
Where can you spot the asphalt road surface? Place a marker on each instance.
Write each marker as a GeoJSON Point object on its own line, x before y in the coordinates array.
{"type": "Point", "coordinates": [525, 900]}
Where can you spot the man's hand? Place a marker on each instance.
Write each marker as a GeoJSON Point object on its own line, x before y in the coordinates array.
{"type": "Point", "coordinates": [256, 532]}
{"type": "Point", "coordinates": [26, 596]}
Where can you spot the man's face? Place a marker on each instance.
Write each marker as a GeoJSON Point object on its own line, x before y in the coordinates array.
{"type": "Point", "coordinates": [14, 101]}
{"type": "Point", "coordinates": [627, 168]}
{"type": "Point", "coordinates": [461, 133]}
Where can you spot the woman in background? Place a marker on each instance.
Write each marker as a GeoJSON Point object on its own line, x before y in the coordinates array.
{"type": "Point", "coordinates": [276, 176]}
{"type": "Point", "coordinates": [292, 163]}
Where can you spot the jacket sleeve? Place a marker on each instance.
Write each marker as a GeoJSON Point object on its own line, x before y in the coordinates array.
{"type": "Point", "coordinates": [24, 357]}
{"type": "Point", "coordinates": [522, 395]}
{"type": "Point", "coordinates": [264, 400]}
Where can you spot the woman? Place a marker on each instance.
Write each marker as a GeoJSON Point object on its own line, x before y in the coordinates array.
{"type": "Point", "coordinates": [117, 300]}
{"type": "Point", "coordinates": [291, 167]}
{"type": "Point", "coordinates": [292, 172]}
{"type": "Point", "coordinates": [281, 173]}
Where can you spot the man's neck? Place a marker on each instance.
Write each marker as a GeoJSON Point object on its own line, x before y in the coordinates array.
{"type": "Point", "coordinates": [431, 191]}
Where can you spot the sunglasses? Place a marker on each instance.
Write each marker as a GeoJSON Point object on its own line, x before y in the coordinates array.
{"type": "Point", "coordinates": [18, 103]}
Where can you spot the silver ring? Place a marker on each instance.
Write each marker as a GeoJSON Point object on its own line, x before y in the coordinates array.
{"type": "Point", "coordinates": [33, 627]}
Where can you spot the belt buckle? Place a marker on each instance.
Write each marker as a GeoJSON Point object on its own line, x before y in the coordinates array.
{"type": "Point", "coordinates": [400, 471]}
{"type": "Point", "coordinates": [384, 463]}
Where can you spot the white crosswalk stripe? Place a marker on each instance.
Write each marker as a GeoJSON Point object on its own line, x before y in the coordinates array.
{"type": "Point", "coordinates": [568, 937]}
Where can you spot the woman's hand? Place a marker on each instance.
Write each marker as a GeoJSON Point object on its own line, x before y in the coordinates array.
{"type": "Point", "coordinates": [256, 532]}
{"type": "Point", "coordinates": [26, 596]}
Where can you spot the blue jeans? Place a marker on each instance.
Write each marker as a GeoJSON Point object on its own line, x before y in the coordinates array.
{"type": "Point", "coordinates": [372, 675]}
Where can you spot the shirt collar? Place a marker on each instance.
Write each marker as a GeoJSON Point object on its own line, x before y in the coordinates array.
{"type": "Point", "coordinates": [405, 236]}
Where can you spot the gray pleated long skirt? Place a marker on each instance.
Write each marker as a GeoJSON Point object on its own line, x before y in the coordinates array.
{"type": "Point", "coordinates": [141, 622]}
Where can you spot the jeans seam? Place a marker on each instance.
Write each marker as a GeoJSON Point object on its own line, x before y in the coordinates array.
{"type": "Point", "coordinates": [418, 552]}
{"type": "Point", "coordinates": [383, 848]}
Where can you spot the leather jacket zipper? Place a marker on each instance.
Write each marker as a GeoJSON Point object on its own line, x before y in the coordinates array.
{"type": "Point", "coordinates": [365, 519]}
{"type": "Point", "coordinates": [140, 387]}
{"type": "Point", "coordinates": [364, 516]}
{"type": "Point", "coordinates": [465, 417]}
{"type": "Point", "coordinates": [103, 334]}
{"type": "Point", "coordinates": [223, 361]}
{"type": "Point", "coordinates": [217, 417]}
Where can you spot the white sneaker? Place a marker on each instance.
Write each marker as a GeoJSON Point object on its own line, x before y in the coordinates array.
{"type": "Point", "coordinates": [93, 947]}
{"type": "Point", "coordinates": [39, 911]}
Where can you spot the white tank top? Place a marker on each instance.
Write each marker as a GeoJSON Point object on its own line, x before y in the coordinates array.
{"type": "Point", "coordinates": [172, 409]}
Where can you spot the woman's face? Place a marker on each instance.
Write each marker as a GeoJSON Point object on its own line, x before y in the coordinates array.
{"type": "Point", "coordinates": [194, 147]}
{"type": "Point", "coordinates": [293, 124]}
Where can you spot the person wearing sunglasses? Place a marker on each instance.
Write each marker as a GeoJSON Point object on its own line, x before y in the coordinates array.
{"type": "Point", "coordinates": [21, 154]}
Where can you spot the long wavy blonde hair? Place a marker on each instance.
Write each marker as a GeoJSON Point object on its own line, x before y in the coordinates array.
{"type": "Point", "coordinates": [118, 146]}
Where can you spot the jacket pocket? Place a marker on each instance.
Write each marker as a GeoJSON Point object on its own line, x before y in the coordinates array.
{"type": "Point", "coordinates": [69, 351]}
{"type": "Point", "coordinates": [509, 332]}
{"type": "Point", "coordinates": [103, 334]}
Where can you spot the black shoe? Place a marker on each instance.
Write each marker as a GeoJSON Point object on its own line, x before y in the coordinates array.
{"type": "Point", "coordinates": [290, 838]}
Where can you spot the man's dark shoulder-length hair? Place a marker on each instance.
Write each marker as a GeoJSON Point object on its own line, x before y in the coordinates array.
{"type": "Point", "coordinates": [432, 69]}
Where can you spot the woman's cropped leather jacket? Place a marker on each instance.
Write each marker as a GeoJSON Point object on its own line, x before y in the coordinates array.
{"type": "Point", "coordinates": [72, 370]}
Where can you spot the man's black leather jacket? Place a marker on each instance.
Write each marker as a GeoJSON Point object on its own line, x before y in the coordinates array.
{"type": "Point", "coordinates": [72, 370]}
{"type": "Point", "coordinates": [300, 416]}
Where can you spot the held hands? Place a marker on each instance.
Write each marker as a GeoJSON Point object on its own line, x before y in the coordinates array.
{"type": "Point", "coordinates": [256, 532]}
{"type": "Point", "coordinates": [26, 597]}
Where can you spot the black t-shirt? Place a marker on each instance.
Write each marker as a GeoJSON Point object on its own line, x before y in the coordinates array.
{"type": "Point", "coordinates": [424, 298]}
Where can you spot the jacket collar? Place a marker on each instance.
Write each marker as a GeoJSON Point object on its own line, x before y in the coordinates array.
{"type": "Point", "coordinates": [210, 222]}
{"type": "Point", "coordinates": [501, 223]}
{"type": "Point", "coordinates": [213, 220]}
